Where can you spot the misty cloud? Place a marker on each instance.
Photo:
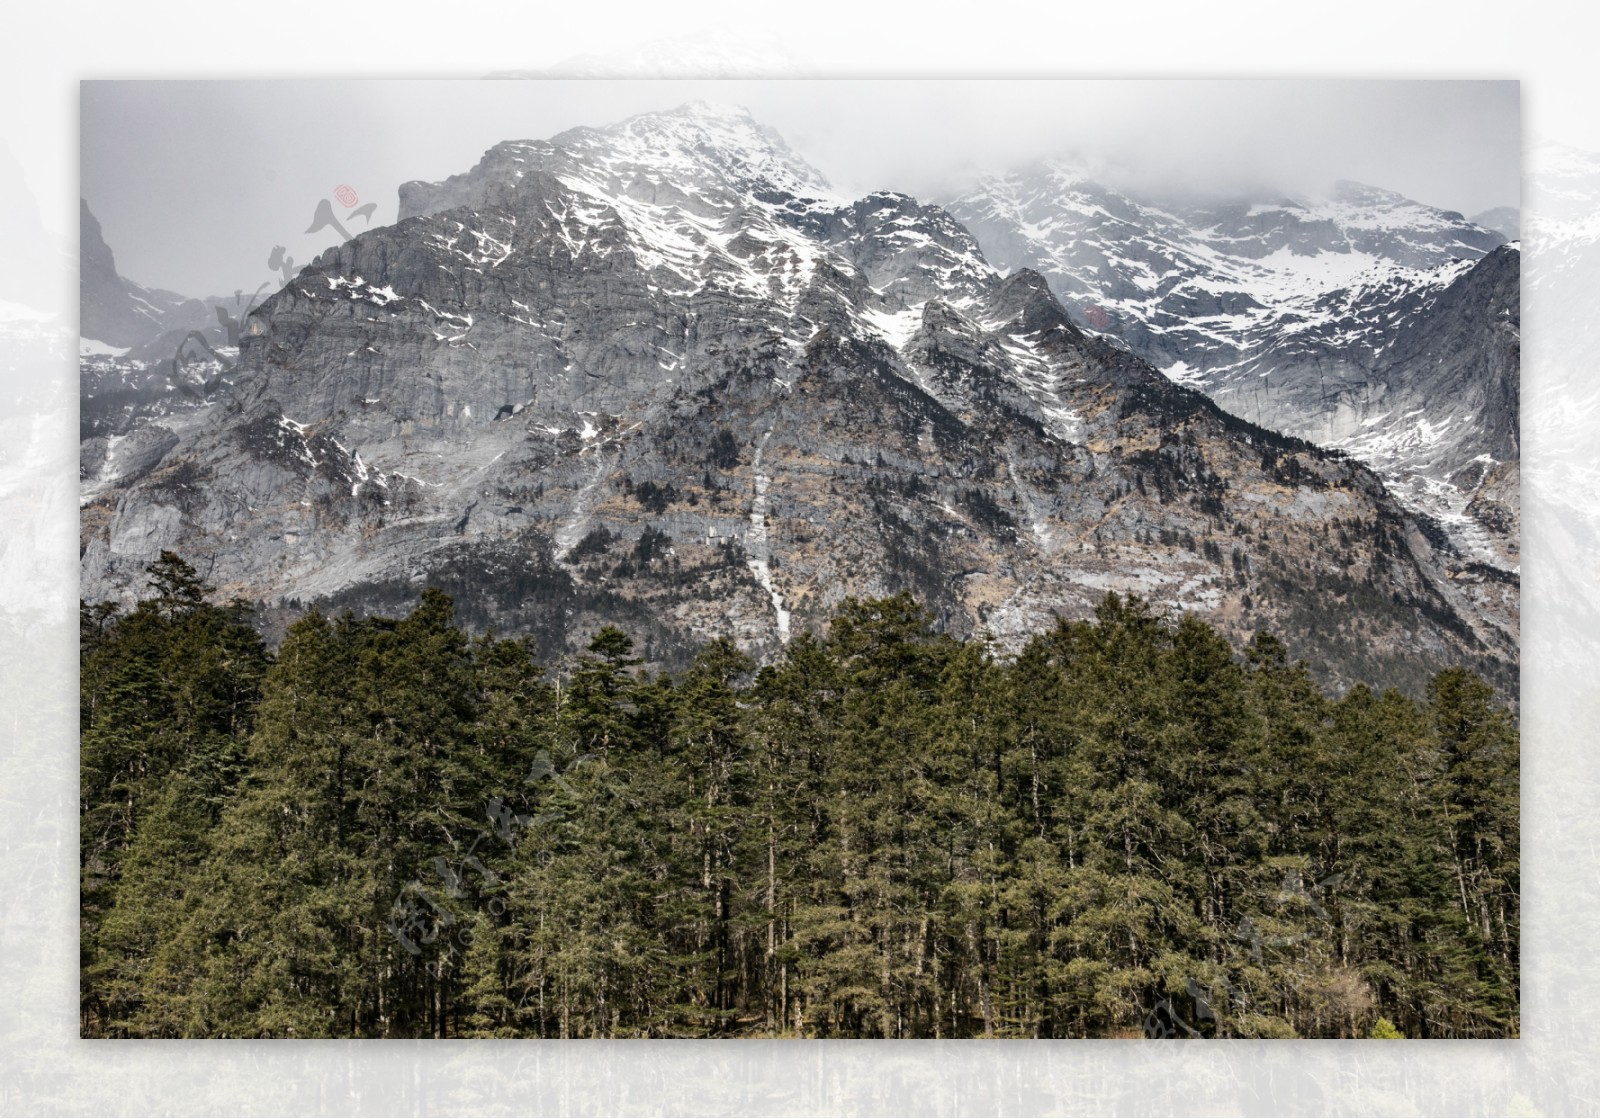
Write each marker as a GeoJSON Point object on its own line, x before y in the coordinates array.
{"type": "Point", "coordinates": [195, 183]}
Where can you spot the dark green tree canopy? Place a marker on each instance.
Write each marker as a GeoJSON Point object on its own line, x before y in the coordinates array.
{"type": "Point", "coordinates": [391, 829]}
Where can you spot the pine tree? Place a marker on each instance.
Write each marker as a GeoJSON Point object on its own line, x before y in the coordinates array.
{"type": "Point", "coordinates": [167, 699]}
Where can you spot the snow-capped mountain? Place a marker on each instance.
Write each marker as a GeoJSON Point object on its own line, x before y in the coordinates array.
{"type": "Point", "coordinates": [1189, 284]}
{"type": "Point", "coordinates": [659, 373]}
{"type": "Point", "coordinates": [1295, 314]}
{"type": "Point", "coordinates": [1416, 373]}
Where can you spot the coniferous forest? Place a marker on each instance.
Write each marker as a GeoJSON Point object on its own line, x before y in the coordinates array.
{"type": "Point", "coordinates": [390, 828]}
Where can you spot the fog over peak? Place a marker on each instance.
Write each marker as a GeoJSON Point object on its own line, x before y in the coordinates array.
{"type": "Point", "coordinates": [195, 183]}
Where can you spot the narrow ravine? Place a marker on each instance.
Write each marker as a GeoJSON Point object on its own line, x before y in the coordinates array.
{"type": "Point", "coordinates": [759, 544]}
{"type": "Point", "coordinates": [571, 532]}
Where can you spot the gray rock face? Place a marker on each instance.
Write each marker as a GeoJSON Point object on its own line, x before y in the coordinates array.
{"type": "Point", "coordinates": [658, 375]}
{"type": "Point", "coordinates": [1303, 316]}
{"type": "Point", "coordinates": [1431, 402]}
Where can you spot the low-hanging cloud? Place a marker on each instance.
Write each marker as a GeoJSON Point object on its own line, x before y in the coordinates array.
{"type": "Point", "coordinates": [196, 182]}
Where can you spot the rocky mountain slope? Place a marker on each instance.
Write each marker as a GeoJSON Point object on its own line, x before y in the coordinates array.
{"type": "Point", "coordinates": [1366, 322]}
{"type": "Point", "coordinates": [143, 352]}
{"type": "Point", "coordinates": [658, 374]}
{"type": "Point", "coordinates": [1417, 374]}
{"type": "Point", "coordinates": [123, 315]}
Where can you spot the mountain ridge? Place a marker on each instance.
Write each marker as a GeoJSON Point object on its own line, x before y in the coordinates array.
{"type": "Point", "coordinates": [1278, 307]}
{"type": "Point", "coordinates": [720, 410]}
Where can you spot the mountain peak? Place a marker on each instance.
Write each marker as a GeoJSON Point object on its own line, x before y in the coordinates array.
{"type": "Point", "coordinates": [1358, 193]}
{"type": "Point", "coordinates": [1504, 220]}
{"type": "Point", "coordinates": [1362, 206]}
{"type": "Point", "coordinates": [1025, 296]}
{"type": "Point", "coordinates": [701, 108]}
{"type": "Point", "coordinates": [716, 151]}
{"type": "Point", "coordinates": [699, 138]}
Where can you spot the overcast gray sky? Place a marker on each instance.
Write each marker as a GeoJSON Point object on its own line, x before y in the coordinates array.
{"type": "Point", "coordinates": [195, 182]}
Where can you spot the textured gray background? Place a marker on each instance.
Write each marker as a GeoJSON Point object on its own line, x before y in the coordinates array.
{"type": "Point", "coordinates": [45, 1069]}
